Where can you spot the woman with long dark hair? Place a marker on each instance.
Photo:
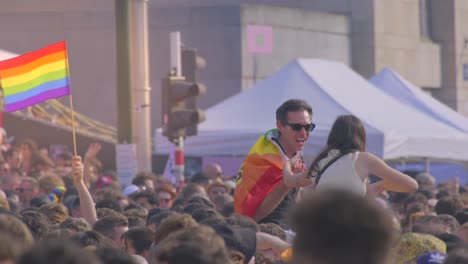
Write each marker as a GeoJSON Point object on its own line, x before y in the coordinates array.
{"type": "Point", "coordinates": [344, 163]}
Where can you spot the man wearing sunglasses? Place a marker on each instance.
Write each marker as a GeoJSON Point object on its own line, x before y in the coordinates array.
{"type": "Point", "coordinates": [260, 189]}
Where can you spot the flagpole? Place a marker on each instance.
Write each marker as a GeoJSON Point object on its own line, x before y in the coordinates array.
{"type": "Point", "coordinates": [71, 104]}
{"type": "Point", "coordinates": [73, 124]}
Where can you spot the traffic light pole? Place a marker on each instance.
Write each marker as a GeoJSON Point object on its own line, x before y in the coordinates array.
{"type": "Point", "coordinates": [179, 108]}
{"type": "Point", "coordinates": [176, 70]}
{"type": "Point", "coordinates": [179, 161]}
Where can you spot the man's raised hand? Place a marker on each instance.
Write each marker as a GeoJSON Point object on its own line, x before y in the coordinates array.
{"type": "Point", "coordinates": [92, 151]}
{"type": "Point", "coordinates": [77, 169]}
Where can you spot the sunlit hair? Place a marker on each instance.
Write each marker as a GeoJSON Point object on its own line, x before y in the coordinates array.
{"type": "Point", "coordinates": [56, 213]}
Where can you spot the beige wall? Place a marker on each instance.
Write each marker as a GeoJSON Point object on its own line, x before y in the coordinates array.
{"type": "Point", "coordinates": [400, 45]}
{"type": "Point", "coordinates": [296, 33]}
{"type": "Point", "coordinates": [445, 33]}
{"type": "Point", "coordinates": [381, 33]}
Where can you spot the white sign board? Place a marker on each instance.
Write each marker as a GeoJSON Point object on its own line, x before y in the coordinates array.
{"type": "Point", "coordinates": [126, 163]}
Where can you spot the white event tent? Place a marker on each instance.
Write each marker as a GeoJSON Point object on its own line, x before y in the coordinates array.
{"type": "Point", "coordinates": [396, 86]}
{"type": "Point", "coordinates": [395, 131]}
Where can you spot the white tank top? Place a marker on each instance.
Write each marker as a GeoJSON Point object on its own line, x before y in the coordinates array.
{"type": "Point", "coordinates": [341, 174]}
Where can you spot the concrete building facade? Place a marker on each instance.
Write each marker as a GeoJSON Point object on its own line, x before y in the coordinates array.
{"type": "Point", "coordinates": [423, 40]}
{"type": "Point", "coordinates": [219, 33]}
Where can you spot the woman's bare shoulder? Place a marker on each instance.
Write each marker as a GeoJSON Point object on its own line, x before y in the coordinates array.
{"type": "Point", "coordinates": [367, 156]}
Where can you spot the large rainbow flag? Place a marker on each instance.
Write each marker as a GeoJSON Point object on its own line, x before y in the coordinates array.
{"type": "Point", "coordinates": [260, 173]}
{"type": "Point", "coordinates": [34, 77]}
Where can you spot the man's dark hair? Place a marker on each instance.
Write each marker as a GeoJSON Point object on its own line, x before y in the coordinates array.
{"type": "Point", "coordinates": [428, 194]}
{"type": "Point", "coordinates": [205, 213]}
{"type": "Point", "coordinates": [14, 206]}
{"type": "Point", "coordinates": [172, 224]}
{"type": "Point", "coordinates": [109, 203]}
{"type": "Point", "coordinates": [462, 216]}
{"type": "Point", "coordinates": [451, 241]}
{"type": "Point", "coordinates": [134, 221]}
{"type": "Point", "coordinates": [227, 210]}
{"type": "Point", "coordinates": [158, 218]}
{"type": "Point", "coordinates": [91, 238]}
{"type": "Point", "coordinates": [136, 217]}
{"type": "Point", "coordinates": [428, 224]}
{"type": "Point", "coordinates": [200, 178]}
{"type": "Point", "coordinates": [141, 178]}
{"type": "Point", "coordinates": [110, 255]}
{"type": "Point", "coordinates": [442, 194]}
{"type": "Point", "coordinates": [449, 222]}
{"type": "Point", "coordinates": [108, 224]}
{"type": "Point", "coordinates": [238, 220]}
{"type": "Point", "coordinates": [200, 200]}
{"type": "Point", "coordinates": [188, 191]}
{"type": "Point", "coordinates": [396, 197]}
{"type": "Point", "coordinates": [416, 198]}
{"type": "Point", "coordinates": [58, 233]}
{"type": "Point", "coordinates": [39, 201]}
{"type": "Point", "coordinates": [191, 207]}
{"type": "Point", "coordinates": [72, 202]}
{"type": "Point", "coordinates": [448, 205]}
{"type": "Point", "coordinates": [133, 206]}
{"type": "Point", "coordinates": [37, 222]}
{"type": "Point", "coordinates": [104, 212]}
{"type": "Point", "coordinates": [240, 242]}
{"type": "Point", "coordinates": [273, 229]}
{"type": "Point", "coordinates": [57, 251]}
{"type": "Point", "coordinates": [221, 200]}
{"type": "Point", "coordinates": [212, 221]}
{"type": "Point", "coordinates": [195, 245]}
{"type": "Point", "coordinates": [177, 205]}
{"type": "Point", "coordinates": [149, 195]}
{"type": "Point", "coordinates": [75, 224]}
{"type": "Point", "coordinates": [292, 105]}
{"type": "Point", "coordinates": [141, 238]}
{"type": "Point", "coordinates": [340, 221]}
{"type": "Point", "coordinates": [156, 211]}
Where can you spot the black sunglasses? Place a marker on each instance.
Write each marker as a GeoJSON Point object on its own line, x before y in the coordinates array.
{"type": "Point", "coordinates": [299, 127]}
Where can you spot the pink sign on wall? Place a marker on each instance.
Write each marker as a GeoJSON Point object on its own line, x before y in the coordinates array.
{"type": "Point", "coordinates": [259, 39]}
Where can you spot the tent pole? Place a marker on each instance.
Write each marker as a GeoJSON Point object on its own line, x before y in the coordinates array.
{"type": "Point", "coordinates": [428, 164]}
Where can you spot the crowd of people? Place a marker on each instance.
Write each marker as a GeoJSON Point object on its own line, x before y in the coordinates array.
{"type": "Point", "coordinates": [278, 209]}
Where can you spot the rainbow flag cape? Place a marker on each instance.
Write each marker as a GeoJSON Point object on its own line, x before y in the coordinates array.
{"type": "Point", "coordinates": [260, 173]}
{"type": "Point", "coordinates": [34, 77]}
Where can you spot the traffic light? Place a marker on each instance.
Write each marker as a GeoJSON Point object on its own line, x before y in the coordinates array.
{"type": "Point", "coordinates": [177, 114]}
{"type": "Point", "coordinates": [191, 62]}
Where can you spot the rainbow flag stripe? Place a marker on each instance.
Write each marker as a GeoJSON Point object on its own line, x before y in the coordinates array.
{"type": "Point", "coordinates": [34, 77]}
{"type": "Point", "coordinates": [260, 173]}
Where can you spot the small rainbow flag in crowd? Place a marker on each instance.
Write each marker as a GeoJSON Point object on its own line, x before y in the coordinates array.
{"type": "Point", "coordinates": [34, 77]}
